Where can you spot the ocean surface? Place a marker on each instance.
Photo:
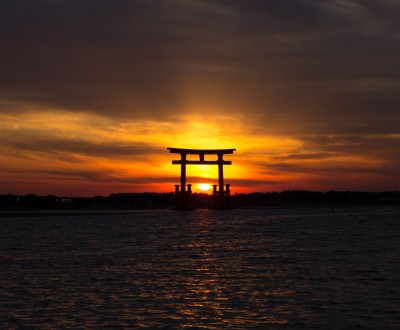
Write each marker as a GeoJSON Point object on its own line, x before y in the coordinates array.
{"type": "Point", "coordinates": [239, 269]}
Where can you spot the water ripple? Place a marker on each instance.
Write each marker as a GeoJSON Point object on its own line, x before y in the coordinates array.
{"type": "Point", "coordinates": [243, 269]}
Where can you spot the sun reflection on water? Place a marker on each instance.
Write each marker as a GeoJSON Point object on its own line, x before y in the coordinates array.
{"type": "Point", "coordinates": [223, 283]}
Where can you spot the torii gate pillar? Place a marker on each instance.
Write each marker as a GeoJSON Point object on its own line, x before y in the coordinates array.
{"type": "Point", "coordinates": [183, 197]}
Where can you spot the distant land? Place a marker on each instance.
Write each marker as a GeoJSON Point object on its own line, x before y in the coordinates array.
{"type": "Point", "coordinates": [147, 200]}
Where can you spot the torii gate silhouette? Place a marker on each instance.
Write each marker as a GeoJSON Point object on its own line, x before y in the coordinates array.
{"type": "Point", "coordinates": [182, 196]}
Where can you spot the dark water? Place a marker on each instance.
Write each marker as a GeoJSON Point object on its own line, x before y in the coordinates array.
{"type": "Point", "coordinates": [242, 269]}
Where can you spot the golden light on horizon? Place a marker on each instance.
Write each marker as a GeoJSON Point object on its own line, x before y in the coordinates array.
{"type": "Point", "coordinates": [55, 151]}
{"type": "Point", "coordinates": [85, 150]}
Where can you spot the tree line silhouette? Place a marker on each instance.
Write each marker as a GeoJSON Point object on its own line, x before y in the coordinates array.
{"type": "Point", "coordinates": [284, 199]}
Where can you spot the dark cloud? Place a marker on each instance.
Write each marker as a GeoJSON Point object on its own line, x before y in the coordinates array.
{"type": "Point", "coordinates": [335, 167]}
{"type": "Point", "coordinates": [100, 176]}
{"type": "Point", "coordinates": [304, 156]}
{"type": "Point", "coordinates": [70, 149]}
{"type": "Point", "coordinates": [371, 146]}
{"type": "Point", "coordinates": [303, 59]}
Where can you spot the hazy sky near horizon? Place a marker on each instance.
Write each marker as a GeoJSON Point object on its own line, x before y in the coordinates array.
{"type": "Point", "coordinates": [93, 92]}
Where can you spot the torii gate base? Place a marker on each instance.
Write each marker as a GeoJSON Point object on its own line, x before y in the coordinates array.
{"type": "Point", "coordinates": [183, 197]}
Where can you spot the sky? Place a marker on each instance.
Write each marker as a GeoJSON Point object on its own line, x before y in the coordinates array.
{"type": "Point", "coordinates": [93, 92]}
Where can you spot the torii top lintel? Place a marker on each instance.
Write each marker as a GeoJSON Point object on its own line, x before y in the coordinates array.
{"type": "Point", "coordinates": [201, 153]}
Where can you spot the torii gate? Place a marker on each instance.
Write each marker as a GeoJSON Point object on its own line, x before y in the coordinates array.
{"type": "Point", "coordinates": [183, 197]}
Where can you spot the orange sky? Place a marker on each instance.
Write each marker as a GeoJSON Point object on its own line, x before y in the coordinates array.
{"type": "Point", "coordinates": [57, 152]}
{"type": "Point", "coordinates": [307, 93]}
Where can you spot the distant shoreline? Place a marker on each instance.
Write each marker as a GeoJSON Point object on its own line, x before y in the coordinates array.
{"type": "Point", "coordinates": [10, 205]}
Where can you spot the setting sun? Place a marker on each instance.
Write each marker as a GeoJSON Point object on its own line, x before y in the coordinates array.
{"type": "Point", "coordinates": [204, 186]}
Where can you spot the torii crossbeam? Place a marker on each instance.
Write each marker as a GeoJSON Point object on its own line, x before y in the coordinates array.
{"type": "Point", "coordinates": [183, 197]}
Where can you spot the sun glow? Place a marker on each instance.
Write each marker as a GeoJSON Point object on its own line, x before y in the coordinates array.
{"type": "Point", "coordinates": [204, 186]}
